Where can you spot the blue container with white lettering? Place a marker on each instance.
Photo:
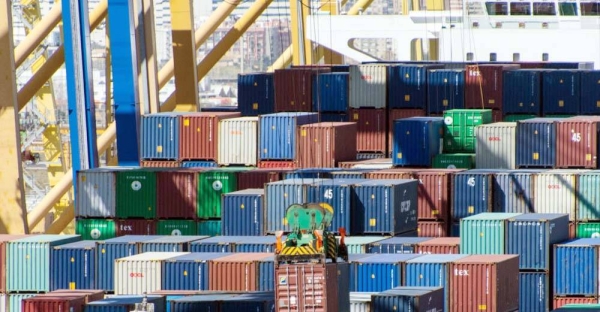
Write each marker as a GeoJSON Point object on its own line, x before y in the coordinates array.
{"type": "Point", "coordinates": [243, 212]}
{"type": "Point", "coordinates": [472, 193]}
{"type": "Point", "coordinates": [576, 268]}
{"type": "Point", "coordinates": [536, 143]}
{"type": "Point", "coordinates": [396, 245]}
{"type": "Point", "coordinates": [277, 134]}
{"type": "Point", "coordinates": [534, 291]}
{"type": "Point", "coordinates": [378, 272]}
{"type": "Point", "coordinates": [76, 263]}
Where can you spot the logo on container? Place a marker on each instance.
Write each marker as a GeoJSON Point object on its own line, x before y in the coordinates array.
{"type": "Point", "coordinates": [95, 233]}
{"type": "Point", "coordinates": [471, 181]}
{"type": "Point", "coordinates": [176, 232]}
{"type": "Point", "coordinates": [217, 185]}
{"type": "Point", "coordinates": [136, 185]}
{"type": "Point", "coordinates": [461, 272]}
{"type": "Point", "coordinates": [494, 139]}
{"type": "Point", "coordinates": [554, 186]}
{"type": "Point", "coordinates": [128, 228]}
{"type": "Point", "coordinates": [136, 274]}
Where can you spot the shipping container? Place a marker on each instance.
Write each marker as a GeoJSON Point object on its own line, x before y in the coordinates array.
{"type": "Point", "coordinates": [236, 272]}
{"type": "Point", "coordinates": [220, 244]}
{"type": "Point", "coordinates": [259, 302]}
{"type": "Point", "coordinates": [188, 272]}
{"type": "Point", "coordinates": [293, 88]}
{"type": "Point", "coordinates": [256, 94]}
{"type": "Point", "coordinates": [534, 291]}
{"type": "Point", "coordinates": [278, 134]}
{"type": "Point", "coordinates": [484, 85]}
{"type": "Point", "coordinates": [4, 239]}
{"type": "Point", "coordinates": [438, 245]}
{"type": "Point", "coordinates": [393, 174]}
{"type": "Point", "coordinates": [561, 91]}
{"type": "Point", "coordinates": [445, 90]}
{"type": "Point", "coordinates": [536, 142]}
{"type": "Point", "coordinates": [349, 174]}
{"type": "Point", "coordinates": [160, 164]}
{"type": "Point", "coordinates": [331, 92]}
{"type": "Point", "coordinates": [135, 227]}
{"type": "Point", "coordinates": [434, 193]}
{"type": "Point", "coordinates": [95, 193]}
{"type": "Point", "coordinates": [365, 164]}
{"type": "Point", "coordinates": [325, 144]}
{"type": "Point", "coordinates": [368, 86]}
{"type": "Point", "coordinates": [396, 245]}
{"type": "Point", "coordinates": [371, 129]}
{"type": "Point", "coordinates": [176, 227]}
{"type": "Point", "coordinates": [243, 212]}
{"type": "Point", "coordinates": [160, 136]}
{"type": "Point", "coordinates": [576, 267]}
{"type": "Point", "coordinates": [590, 96]}
{"type": "Point", "coordinates": [209, 227]}
{"type": "Point", "coordinates": [174, 243]}
{"type": "Point", "coordinates": [407, 85]}
{"type": "Point", "coordinates": [588, 199]}
{"type": "Point", "coordinates": [199, 136]}
{"type": "Point", "coordinates": [522, 92]}
{"type": "Point", "coordinates": [409, 299]}
{"type": "Point", "coordinates": [256, 244]}
{"type": "Point", "coordinates": [485, 283]}
{"type": "Point", "coordinates": [176, 193]}
{"type": "Point", "coordinates": [339, 194]}
{"type": "Point", "coordinates": [385, 206]}
{"type": "Point", "coordinates": [360, 301]}
{"type": "Point", "coordinates": [199, 164]}
{"type": "Point", "coordinates": [562, 301]}
{"type": "Point", "coordinates": [89, 295]}
{"type": "Point", "coordinates": [556, 192]}
{"type": "Point", "coordinates": [54, 303]}
{"type": "Point", "coordinates": [485, 233]}
{"type": "Point", "coordinates": [459, 128]}
{"type": "Point", "coordinates": [211, 186]}
{"type": "Point", "coordinates": [513, 191]}
{"type": "Point", "coordinates": [372, 155]}
{"type": "Point", "coordinates": [136, 194]}
{"type": "Point", "coordinates": [587, 230]}
{"type": "Point", "coordinates": [95, 229]}
{"type": "Point", "coordinates": [334, 117]}
{"type": "Point", "coordinates": [495, 147]}
{"type": "Point", "coordinates": [75, 264]}
{"type": "Point", "coordinates": [417, 140]}
{"type": "Point", "coordinates": [207, 302]}
{"type": "Point", "coordinates": [14, 302]}
{"type": "Point", "coordinates": [394, 114]}
{"type": "Point", "coordinates": [454, 161]}
{"type": "Point", "coordinates": [472, 193]}
{"type": "Point", "coordinates": [432, 228]}
{"type": "Point", "coordinates": [141, 273]}
{"type": "Point", "coordinates": [310, 173]}
{"type": "Point", "coordinates": [125, 304]}
{"type": "Point", "coordinates": [516, 118]}
{"type": "Point", "coordinates": [360, 244]}
{"type": "Point", "coordinates": [577, 142]}
{"type": "Point", "coordinates": [238, 141]}
{"type": "Point", "coordinates": [30, 266]}
{"type": "Point", "coordinates": [257, 178]}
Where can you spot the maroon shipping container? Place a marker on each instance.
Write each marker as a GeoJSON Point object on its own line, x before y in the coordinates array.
{"type": "Point", "coordinates": [432, 228]}
{"type": "Point", "coordinates": [400, 113]}
{"type": "Point", "coordinates": [531, 65]}
{"type": "Point", "coordinates": [397, 173]}
{"type": "Point", "coordinates": [325, 144]}
{"type": "Point", "coordinates": [576, 142]}
{"type": "Point", "coordinates": [257, 178]}
{"type": "Point", "coordinates": [4, 238]}
{"type": "Point", "coordinates": [483, 85]}
{"type": "Point", "coordinates": [434, 193]}
{"type": "Point", "coordinates": [237, 272]}
{"type": "Point", "coordinates": [199, 134]}
{"type": "Point", "coordinates": [371, 134]}
{"type": "Point", "coordinates": [561, 301]}
{"type": "Point", "coordinates": [439, 245]}
{"type": "Point", "coordinates": [135, 227]}
{"type": "Point", "coordinates": [497, 115]}
{"type": "Point", "coordinates": [278, 164]}
{"type": "Point", "coordinates": [485, 283]}
{"type": "Point", "coordinates": [176, 194]}
{"type": "Point", "coordinates": [160, 164]}
{"type": "Point", "coordinates": [88, 294]}
{"type": "Point", "coordinates": [58, 303]}
{"type": "Point", "coordinates": [293, 88]}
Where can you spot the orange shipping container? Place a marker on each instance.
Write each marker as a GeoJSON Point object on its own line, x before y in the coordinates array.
{"type": "Point", "coordinates": [277, 164]}
{"type": "Point", "coordinates": [434, 193]}
{"type": "Point", "coordinates": [440, 245]}
{"type": "Point", "coordinates": [399, 173]}
{"type": "Point", "coordinates": [160, 164]}
{"type": "Point", "coordinates": [198, 133]}
{"type": "Point", "coordinates": [432, 228]}
{"type": "Point", "coordinates": [237, 272]}
{"type": "Point", "coordinates": [371, 133]}
{"type": "Point", "coordinates": [561, 301]}
{"type": "Point", "coordinates": [325, 144]}
{"type": "Point", "coordinates": [54, 304]}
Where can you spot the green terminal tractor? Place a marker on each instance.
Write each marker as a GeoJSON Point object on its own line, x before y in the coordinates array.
{"type": "Point", "coordinates": [309, 240]}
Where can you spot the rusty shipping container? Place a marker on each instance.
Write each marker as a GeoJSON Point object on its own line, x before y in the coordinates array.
{"type": "Point", "coordinates": [160, 164]}
{"type": "Point", "coordinates": [577, 142]}
{"type": "Point", "coordinates": [325, 144]}
{"type": "Point", "coordinates": [278, 164]}
{"type": "Point", "coordinates": [371, 132]}
{"type": "Point", "coordinates": [58, 303]}
{"type": "Point", "coordinates": [199, 134]}
{"type": "Point", "coordinates": [293, 88]}
{"type": "Point", "coordinates": [485, 83]}
{"type": "Point", "coordinates": [135, 227]}
{"type": "Point", "coordinates": [176, 193]}
{"type": "Point", "coordinates": [485, 283]}
{"type": "Point", "coordinates": [434, 193]}
{"type": "Point", "coordinates": [432, 228]}
{"type": "Point", "coordinates": [257, 178]}
{"type": "Point", "coordinates": [394, 114]}
{"type": "Point", "coordinates": [439, 245]}
{"type": "Point", "coordinates": [237, 272]}
{"type": "Point", "coordinates": [386, 174]}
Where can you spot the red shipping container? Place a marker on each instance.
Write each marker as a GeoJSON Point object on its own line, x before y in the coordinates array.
{"type": "Point", "coordinates": [397, 173]}
{"type": "Point", "coordinates": [371, 134]}
{"type": "Point", "coordinates": [293, 88]}
{"type": "Point", "coordinates": [400, 113]}
{"type": "Point", "coordinates": [497, 115]}
{"type": "Point", "coordinates": [53, 304]}
{"type": "Point", "coordinates": [572, 230]}
{"type": "Point", "coordinates": [176, 193]}
{"type": "Point", "coordinates": [325, 144]}
{"type": "Point", "coordinates": [561, 301]}
{"type": "Point", "coordinates": [199, 134]}
{"type": "Point", "coordinates": [88, 294]}
{"type": "Point", "coordinates": [440, 245]}
{"type": "Point", "coordinates": [434, 193]}
{"type": "Point", "coordinates": [485, 283]}
{"type": "Point", "coordinates": [135, 227]}
{"type": "Point", "coordinates": [4, 238]}
{"type": "Point", "coordinates": [432, 228]}
{"type": "Point", "coordinates": [483, 85]}
{"type": "Point", "coordinates": [257, 178]}
{"type": "Point", "coordinates": [160, 164]}
{"type": "Point", "coordinates": [278, 164]}
{"type": "Point", "coordinates": [237, 272]}
{"type": "Point", "coordinates": [576, 142]}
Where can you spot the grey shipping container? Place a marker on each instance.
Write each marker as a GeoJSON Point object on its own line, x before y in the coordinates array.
{"type": "Point", "coordinates": [95, 196]}
{"type": "Point", "coordinates": [368, 86]}
{"type": "Point", "coordinates": [495, 147]}
{"type": "Point", "coordinates": [409, 299]}
{"type": "Point", "coordinates": [513, 191]}
{"type": "Point", "coordinates": [169, 243]}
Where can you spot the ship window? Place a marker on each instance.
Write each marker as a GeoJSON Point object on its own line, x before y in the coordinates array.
{"type": "Point", "coordinates": [567, 9]}
{"type": "Point", "coordinates": [543, 8]}
{"type": "Point", "coordinates": [497, 8]}
{"type": "Point", "coordinates": [592, 8]}
{"type": "Point", "coordinates": [519, 8]}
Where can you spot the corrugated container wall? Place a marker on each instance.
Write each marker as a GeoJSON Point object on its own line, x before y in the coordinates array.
{"type": "Point", "coordinates": [136, 194]}
{"type": "Point", "coordinates": [396, 245]}
{"type": "Point", "coordinates": [135, 227]}
{"type": "Point", "coordinates": [459, 128]}
{"type": "Point", "coordinates": [588, 196]}
{"type": "Point", "coordinates": [220, 244]}
{"type": "Point", "coordinates": [176, 227]}
{"type": "Point", "coordinates": [562, 301]}
{"type": "Point", "coordinates": [485, 283]}
{"type": "Point", "coordinates": [88, 294]}
{"type": "Point", "coordinates": [199, 164]}
{"type": "Point", "coordinates": [95, 229]}
{"type": "Point", "coordinates": [331, 92]}
{"type": "Point", "coordinates": [337, 193]}
{"type": "Point", "coordinates": [432, 229]}
{"type": "Point", "coordinates": [238, 141]}
{"type": "Point", "coordinates": [434, 193]}
{"type": "Point", "coordinates": [407, 85]}
{"type": "Point", "coordinates": [160, 136]}
{"type": "Point", "coordinates": [590, 92]}
{"type": "Point", "coordinates": [484, 85]}
{"type": "Point", "coordinates": [211, 186]}
{"type": "Point", "coordinates": [360, 301]}
{"type": "Point", "coordinates": [536, 143]}
{"type": "Point", "coordinates": [522, 92]}
{"type": "Point", "coordinates": [96, 193]}
{"type": "Point", "coordinates": [472, 193]}
{"type": "Point", "coordinates": [209, 227]}
{"type": "Point", "coordinates": [574, 260]}
{"type": "Point", "coordinates": [199, 134]}
{"type": "Point", "coordinates": [561, 92]}
{"type": "Point", "coordinates": [534, 291]}
{"type": "Point", "coordinates": [4, 239]}
{"type": "Point", "coordinates": [400, 113]}
{"type": "Point", "coordinates": [237, 272]}
{"type": "Point", "coordinates": [417, 140]}
{"type": "Point", "coordinates": [198, 303]}
{"type": "Point", "coordinates": [371, 129]}
{"type": "Point", "coordinates": [160, 164]}
{"type": "Point", "coordinates": [484, 233]}
{"type": "Point", "coordinates": [50, 303]}
{"type": "Point", "coordinates": [514, 190]}
{"type": "Point", "coordinates": [445, 90]}
{"type": "Point", "coordinates": [360, 244]}
{"type": "Point", "coordinates": [176, 193]}
{"type": "Point", "coordinates": [334, 117]}
{"type": "Point", "coordinates": [278, 132]}
{"type": "Point", "coordinates": [409, 299]}
{"type": "Point", "coordinates": [257, 178]}
{"type": "Point", "coordinates": [587, 230]}
{"type": "Point", "coordinates": [325, 144]}
{"type": "Point", "coordinates": [188, 272]}
{"type": "Point", "coordinates": [293, 89]}
{"type": "Point", "coordinates": [173, 243]}
{"type": "Point", "coordinates": [256, 244]}
{"type": "Point", "coordinates": [256, 94]}
{"type": "Point", "coordinates": [495, 147]}
{"type": "Point", "coordinates": [125, 304]}
{"type": "Point", "coordinates": [556, 192]}
{"type": "Point", "coordinates": [577, 142]}
{"type": "Point", "coordinates": [260, 302]}
{"type": "Point", "coordinates": [243, 212]}
{"type": "Point", "coordinates": [368, 86]}
{"type": "Point", "coordinates": [76, 264]}
{"type": "Point", "coordinates": [439, 245]}
{"type": "Point", "coordinates": [15, 302]}
{"type": "Point", "coordinates": [139, 274]}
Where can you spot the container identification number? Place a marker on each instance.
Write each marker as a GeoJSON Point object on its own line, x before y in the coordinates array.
{"type": "Point", "coordinates": [576, 137]}
{"type": "Point", "coordinates": [328, 194]}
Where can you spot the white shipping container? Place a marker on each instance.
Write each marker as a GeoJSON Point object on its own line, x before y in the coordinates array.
{"type": "Point", "coordinates": [368, 86]}
{"type": "Point", "coordinates": [142, 273]}
{"type": "Point", "coordinates": [495, 147]}
{"type": "Point", "coordinates": [360, 301]}
{"type": "Point", "coordinates": [96, 189]}
{"type": "Point", "coordinates": [555, 191]}
{"type": "Point", "coordinates": [238, 141]}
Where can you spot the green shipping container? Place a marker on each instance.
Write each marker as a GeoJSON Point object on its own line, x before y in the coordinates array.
{"type": "Point", "coordinates": [515, 118]}
{"type": "Point", "coordinates": [209, 227]}
{"type": "Point", "coordinates": [95, 229]}
{"type": "Point", "coordinates": [485, 233]}
{"type": "Point", "coordinates": [136, 194]}
{"type": "Point", "coordinates": [211, 185]}
{"type": "Point", "coordinates": [176, 227]}
{"type": "Point", "coordinates": [454, 161]}
{"type": "Point", "coordinates": [588, 230]}
{"type": "Point", "coordinates": [459, 128]}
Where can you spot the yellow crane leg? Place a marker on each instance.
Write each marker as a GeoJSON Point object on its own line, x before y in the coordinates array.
{"type": "Point", "coordinates": [38, 34]}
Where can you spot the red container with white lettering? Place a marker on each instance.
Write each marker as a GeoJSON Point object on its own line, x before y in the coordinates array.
{"type": "Point", "coordinates": [484, 85]}
{"type": "Point", "coordinates": [576, 142]}
{"type": "Point", "coordinates": [495, 146]}
{"type": "Point", "coordinates": [135, 227]}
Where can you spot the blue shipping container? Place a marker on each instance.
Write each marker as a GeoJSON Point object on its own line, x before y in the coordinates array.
{"type": "Point", "coordinates": [576, 268]}
{"type": "Point", "coordinates": [256, 94]}
{"type": "Point", "coordinates": [310, 173]}
{"type": "Point", "coordinates": [330, 92]}
{"type": "Point", "coordinates": [409, 299]}
{"type": "Point", "coordinates": [76, 263]}
{"type": "Point", "coordinates": [445, 90]}
{"type": "Point", "coordinates": [160, 136]}
{"type": "Point", "coordinates": [590, 92]}
{"type": "Point", "coordinates": [472, 193]}
{"type": "Point", "coordinates": [255, 244]}
{"type": "Point", "coordinates": [407, 85]}
{"type": "Point", "coordinates": [522, 92]}
{"type": "Point", "coordinates": [334, 117]}
{"type": "Point", "coordinates": [278, 134]}
{"type": "Point", "coordinates": [199, 164]}
{"type": "Point", "coordinates": [513, 191]}
{"type": "Point", "coordinates": [536, 143]}
{"type": "Point", "coordinates": [243, 212]}
{"type": "Point", "coordinates": [396, 245]}
{"type": "Point", "coordinates": [188, 272]}
{"type": "Point", "coordinates": [378, 272]}
{"type": "Point", "coordinates": [561, 92]}
{"type": "Point", "coordinates": [532, 236]}
{"type": "Point", "coordinates": [534, 291]}
{"type": "Point", "coordinates": [266, 273]}
{"type": "Point", "coordinates": [223, 244]}
{"type": "Point", "coordinates": [338, 194]}
{"type": "Point", "coordinates": [350, 174]}
{"type": "Point", "coordinates": [255, 302]}
{"type": "Point", "coordinates": [170, 243]}
{"type": "Point", "coordinates": [417, 140]}
{"type": "Point", "coordinates": [431, 271]}
{"type": "Point", "coordinates": [125, 304]}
